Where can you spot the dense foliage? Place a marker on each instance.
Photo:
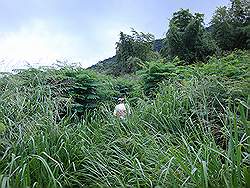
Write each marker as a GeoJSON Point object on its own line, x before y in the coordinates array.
{"type": "Point", "coordinates": [106, 66]}
{"type": "Point", "coordinates": [109, 66]}
{"type": "Point", "coordinates": [231, 25]}
{"type": "Point", "coordinates": [189, 122]}
{"type": "Point", "coordinates": [154, 73]}
{"type": "Point", "coordinates": [187, 38]}
{"type": "Point", "coordinates": [196, 125]}
{"type": "Point", "coordinates": [131, 51]}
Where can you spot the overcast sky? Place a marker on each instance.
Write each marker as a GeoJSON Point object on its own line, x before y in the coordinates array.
{"type": "Point", "coordinates": [85, 31]}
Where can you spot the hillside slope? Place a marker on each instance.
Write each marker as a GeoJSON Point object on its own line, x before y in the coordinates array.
{"type": "Point", "coordinates": [108, 65]}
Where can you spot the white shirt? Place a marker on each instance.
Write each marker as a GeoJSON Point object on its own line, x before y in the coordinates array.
{"type": "Point", "coordinates": [120, 110]}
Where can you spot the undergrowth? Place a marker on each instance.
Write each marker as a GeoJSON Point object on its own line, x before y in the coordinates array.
{"type": "Point", "coordinates": [193, 133]}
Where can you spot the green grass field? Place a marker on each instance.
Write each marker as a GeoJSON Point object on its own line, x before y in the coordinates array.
{"type": "Point", "coordinates": [194, 133]}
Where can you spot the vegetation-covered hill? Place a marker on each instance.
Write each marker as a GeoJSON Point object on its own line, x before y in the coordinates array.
{"type": "Point", "coordinates": [189, 124]}
{"type": "Point", "coordinates": [187, 38]}
{"type": "Point", "coordinates": [57, 127]}
{"type": "Point", "coordinates": [108, 65]}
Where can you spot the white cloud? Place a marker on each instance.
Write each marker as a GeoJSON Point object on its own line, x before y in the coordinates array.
{"type": "Point", "coordinates": [35, 40]}
{"type": "Point", "coordinates": [37, 43]}
{"type": "Point", "coordinates": [41, 43]}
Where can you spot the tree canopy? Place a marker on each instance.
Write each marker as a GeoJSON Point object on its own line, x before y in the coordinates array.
{"type": "Point", "coordinates": [187, 38]}
{"type": "Point", "coordinates": [133, 49]}
{"type": "Point", "coordinates": [230, 25]}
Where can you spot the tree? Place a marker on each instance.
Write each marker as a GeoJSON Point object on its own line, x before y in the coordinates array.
{"type": "Point", "coordinates": [187, 38]}
{"type": "Point", "coordinates": [239, 12]}
{"type": "Point", "coordinates": [133, 48]}
{"type": "Point", "coordinates": [230, 26]}
{"type": "Point", "coordinates": [221, 28]}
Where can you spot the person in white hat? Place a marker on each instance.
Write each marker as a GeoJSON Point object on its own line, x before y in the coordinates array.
{"type": "Point", "coordinates": [120, 109]}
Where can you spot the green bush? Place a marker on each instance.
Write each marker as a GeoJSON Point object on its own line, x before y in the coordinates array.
{"type": "Point", "coordinates": [82, 89]}
{"type": "Point", "coordinates": [154, 73]}
{"type": "Point", "coordinates": [233, 70]}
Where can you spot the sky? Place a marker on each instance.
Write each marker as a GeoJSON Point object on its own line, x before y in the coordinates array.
{"type": "Point", "coordinates": [39, 32]}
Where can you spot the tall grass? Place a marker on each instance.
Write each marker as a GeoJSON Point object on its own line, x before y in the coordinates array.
{"type": "Point", "coordinates": [189, 136]}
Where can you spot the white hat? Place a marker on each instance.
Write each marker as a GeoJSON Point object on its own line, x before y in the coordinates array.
{"type": "Point", "coordinates": [121, 99]}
